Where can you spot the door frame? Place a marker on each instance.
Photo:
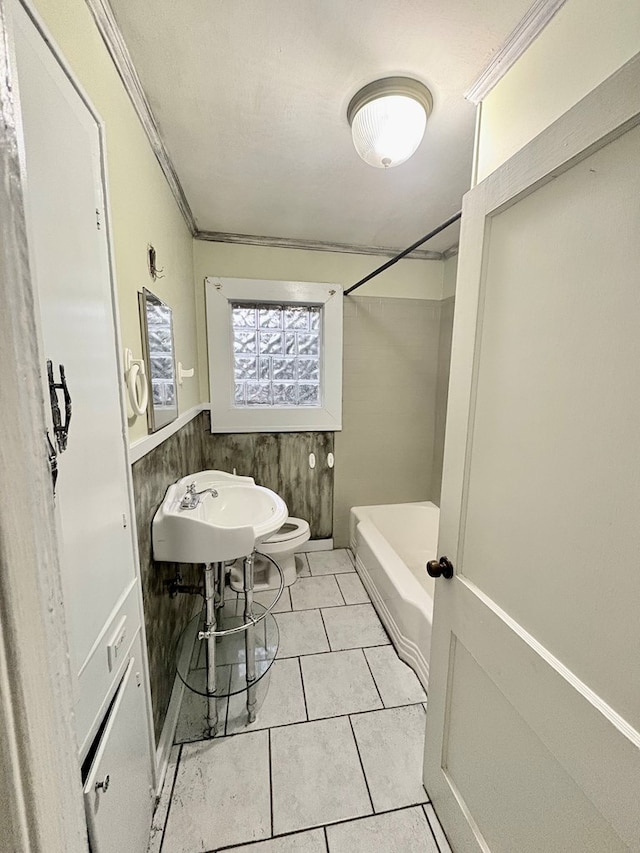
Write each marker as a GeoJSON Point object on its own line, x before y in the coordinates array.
{"type": "Point", "coordinates": [605, 114]}
{"type": "Point", "coordinates": [39, 770]}
{"type": "Point", "coordinates": [39, 782]}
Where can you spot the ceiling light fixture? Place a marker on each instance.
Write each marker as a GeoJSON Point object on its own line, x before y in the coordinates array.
{"type": "Point", "coordinates": [388, 118]}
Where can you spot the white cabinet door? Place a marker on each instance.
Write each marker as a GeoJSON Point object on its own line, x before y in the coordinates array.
{"type": "Point", "coordinates": [69, 255]}
{"type": "Point", "coordinates": [533, 719]}
{"type": "Point", "coordinates": [117, 793]}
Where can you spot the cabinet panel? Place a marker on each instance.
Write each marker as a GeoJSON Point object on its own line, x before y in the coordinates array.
{"type": "Point", "coordinates": [118, 792]}
{"type": "Point", "coordinates": [104, 667]}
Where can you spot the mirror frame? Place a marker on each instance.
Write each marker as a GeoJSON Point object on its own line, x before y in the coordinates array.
{"type": "Point", "coordinates": [156, 418]}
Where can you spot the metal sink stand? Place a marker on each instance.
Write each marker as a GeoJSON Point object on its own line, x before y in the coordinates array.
{"type": "Point", "coordinates": [214, 580]}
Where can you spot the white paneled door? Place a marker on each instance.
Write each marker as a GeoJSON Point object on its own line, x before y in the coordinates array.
{"type": "Point", "coordinates": [69, 255]}
{"type": "Point", "coordinates": [533, 724]}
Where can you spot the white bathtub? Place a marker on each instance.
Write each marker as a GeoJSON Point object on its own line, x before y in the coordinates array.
{"type": "Point", "coordinates": [392, 545]}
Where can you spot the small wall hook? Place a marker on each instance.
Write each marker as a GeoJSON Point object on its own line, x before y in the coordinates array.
{"type": "Point", "coordinates": [154, 270]}
{"type": "Point", "coordinates": [184, 373]}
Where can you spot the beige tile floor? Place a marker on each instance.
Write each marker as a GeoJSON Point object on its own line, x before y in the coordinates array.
{"type": "Point", "coordinates": [332, 763]}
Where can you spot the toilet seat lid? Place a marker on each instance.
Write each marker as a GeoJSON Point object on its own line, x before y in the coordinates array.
{"type": "Point", "coordinates": [291, 529]}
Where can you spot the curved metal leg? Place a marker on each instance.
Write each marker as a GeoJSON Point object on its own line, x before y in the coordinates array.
{"type": "Point", "coordinates": [249, 638]}
{"type": "Point", "coordinates": [210, 572]}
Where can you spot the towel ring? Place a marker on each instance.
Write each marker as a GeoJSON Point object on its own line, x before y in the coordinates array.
{"type": "Point", "coordinates": [136, 381]}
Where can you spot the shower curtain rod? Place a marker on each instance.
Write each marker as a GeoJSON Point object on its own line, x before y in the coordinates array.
{"type": "Point", "coordinates": [404, 253]}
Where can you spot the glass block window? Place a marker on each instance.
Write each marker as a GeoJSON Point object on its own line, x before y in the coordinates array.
{"type": "Point", "coordinates": [276, 354]}
{"type": "Point", "coordinates": [160, 344]}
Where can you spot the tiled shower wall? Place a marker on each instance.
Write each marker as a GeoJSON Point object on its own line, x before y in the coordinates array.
{"type": "Point", "coordinates": [279, 461]}
{"type": "Point", "coordinates": [385, 452]}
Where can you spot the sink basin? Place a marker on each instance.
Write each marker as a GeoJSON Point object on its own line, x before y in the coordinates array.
{"type": "Point", "coordinates": [218, 528]}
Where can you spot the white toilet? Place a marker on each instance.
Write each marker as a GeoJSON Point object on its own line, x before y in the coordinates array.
{"type": "Point", "coordinates": [282, 547]}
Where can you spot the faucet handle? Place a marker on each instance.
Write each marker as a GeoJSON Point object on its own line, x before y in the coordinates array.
{"type": "Point", "coordinates": [191, 489]}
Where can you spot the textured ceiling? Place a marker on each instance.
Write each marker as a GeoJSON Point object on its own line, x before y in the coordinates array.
{"type": "Point", "coordinates": [251, 100]}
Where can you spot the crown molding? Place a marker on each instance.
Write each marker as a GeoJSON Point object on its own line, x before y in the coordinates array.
{"type": "Point", "coordinates": [525, 32]}
{"type": "Point", "coordinates": [114, 41]}
{"type": "Point", "coordinates": [311, 245]}
{"type": "Point", "coordinates": [451, 252]}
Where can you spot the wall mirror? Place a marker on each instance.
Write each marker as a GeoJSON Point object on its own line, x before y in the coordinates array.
{"type": "Point", "coordinates": [159, 354]}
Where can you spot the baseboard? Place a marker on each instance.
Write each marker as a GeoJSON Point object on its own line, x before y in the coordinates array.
{"type": "Point", "coordinates": [163, 750]}
{"type": "Point", "coordinates": [318, 545]}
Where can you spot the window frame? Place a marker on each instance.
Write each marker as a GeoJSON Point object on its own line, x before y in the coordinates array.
{"type": "Point", "coordinates": [220, 293]}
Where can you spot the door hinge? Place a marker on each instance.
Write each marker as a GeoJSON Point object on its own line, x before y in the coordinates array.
{"type": "Point", "coordinates": [124, 519]}
{"type": "Point", "coordinates": [98, 220]}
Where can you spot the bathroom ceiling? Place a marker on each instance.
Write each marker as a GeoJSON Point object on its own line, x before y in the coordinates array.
{"type": "Point", "coordinates": [251, 98]}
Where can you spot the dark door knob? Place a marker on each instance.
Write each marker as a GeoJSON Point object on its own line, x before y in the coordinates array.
{"type": "Point", "coordinates": [440, 568]}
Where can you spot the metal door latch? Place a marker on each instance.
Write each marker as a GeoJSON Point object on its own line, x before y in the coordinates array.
{"type": "Point", "coordinates": [60, 430]}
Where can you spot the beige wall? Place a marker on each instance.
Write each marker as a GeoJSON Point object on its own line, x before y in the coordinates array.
{"type": "Point", "coordinates": [584, 43]}
{"type": "Point", "coordinates": [449, 274]}
{"type": "Point", "coordinates": [408, 279]}
{"type": "Point", "coordinates": [143, 209]}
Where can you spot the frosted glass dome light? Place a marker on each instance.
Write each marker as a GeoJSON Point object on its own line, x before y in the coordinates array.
{"type": "Point", "coordinates": [388, 118]}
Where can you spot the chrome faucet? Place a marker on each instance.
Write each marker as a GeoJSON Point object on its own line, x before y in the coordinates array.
{"type": "Point", "coordinates": [192, 498]}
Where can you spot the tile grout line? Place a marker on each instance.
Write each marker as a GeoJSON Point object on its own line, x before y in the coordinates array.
{"type": "Point", "coordinates": [419, 806]}
{"type": "Point", "coordinates": [340, 589]}
{"type": "Point", "coordinates": [351, 571]}
{"type": "Point", "coordinates": [304, 692]}
{"type": "Point", "coordinates": [315, 720]}
{"type": "Point", "coordinates": [349, 649]}
{"type": "Point", "coordinates": [317, 826]}
{"type": "Point", "coordinates": [364, 655]}
{"type": "Point", "coordinates": [271, 782]}
{"type": "Point", "coordinates": [323, 607]}
{"type": "Point", "coordinates": [331, 649]}
{"type": "Point", "coordinates": [326, 839]}
{"type": "Point", "coordinates": [431, 829]}
{"type": "Point", "coordinates": [173, 788]}
{"type": "Point", "coordinates": [364, 773]}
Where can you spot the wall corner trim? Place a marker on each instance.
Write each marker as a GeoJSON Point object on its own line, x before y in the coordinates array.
{"type": "Point", "coordinates": [311, 245]}
{"type": "Point", "coordinates": [516, 43]}
{"type": "Point", "coordinates": [115, 43]}
{"type": "Point", "coordinates": [142, 446]}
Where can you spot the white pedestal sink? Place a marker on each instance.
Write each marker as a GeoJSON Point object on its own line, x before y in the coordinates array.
{"type": "Point", "coordinates": [226, 523]}
{"type": "Point", "coordinates": [211, 517]}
